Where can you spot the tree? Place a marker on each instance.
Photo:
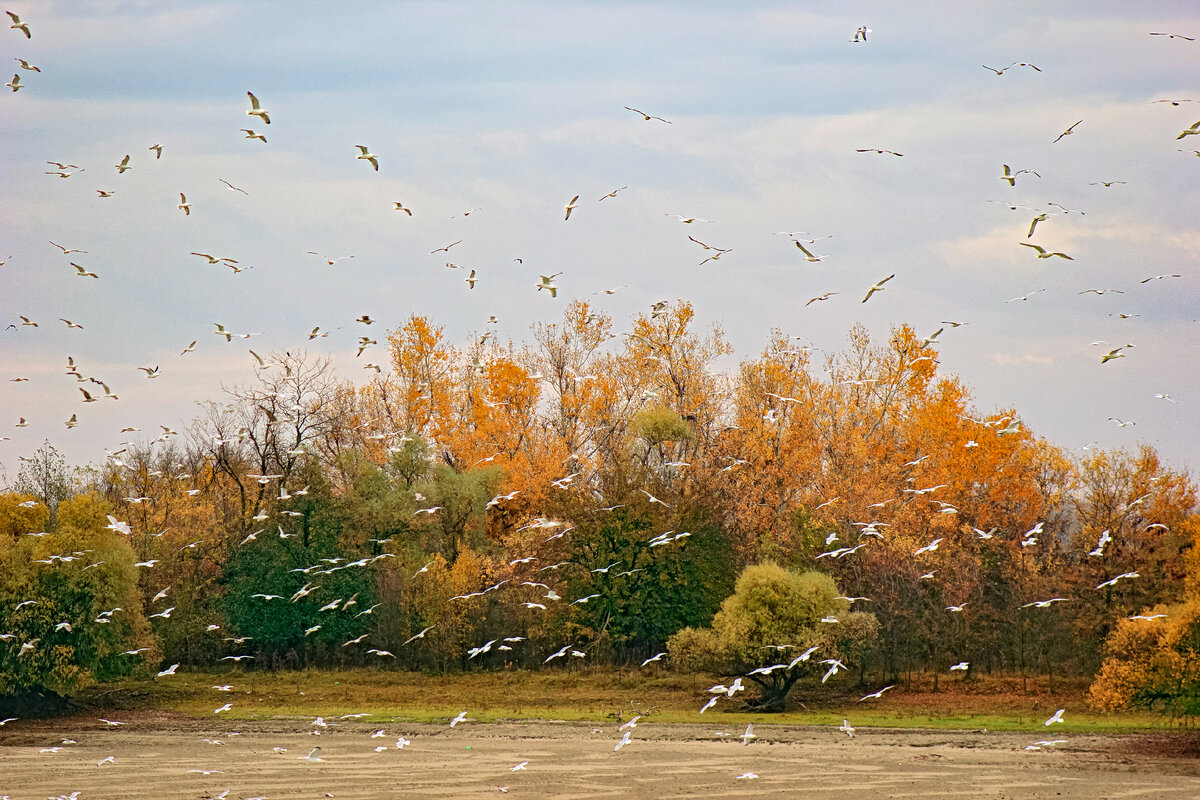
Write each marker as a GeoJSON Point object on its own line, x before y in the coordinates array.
{"type": "Point", "coordinates": [44, 475]}
{"type": "Point", "coordinates": [1152, 660]}
{"type": "Point", "coordinates": [774, 616]}
{"type": "Point", "coordinates": [69, 605]}
{"type": "Point", "coordinates": [1153, 663]}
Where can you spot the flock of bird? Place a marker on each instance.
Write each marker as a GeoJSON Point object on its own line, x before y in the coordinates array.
{"type": "Point", "coordinates": [548, 282]}
{"type": "Point", "coordinates": [94, 389]}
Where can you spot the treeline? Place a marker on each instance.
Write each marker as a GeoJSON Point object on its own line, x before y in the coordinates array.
{"type": "Point", "coordinates": [589, 493]}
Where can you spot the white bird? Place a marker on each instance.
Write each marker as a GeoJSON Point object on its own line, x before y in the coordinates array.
{"type": "Point", "coordinates": [304, 591]}
{"type": "Point", "coordinates": [257, 110]}
{"type": "Point", "coordinates": [875, 695]}
{"type": "Point", "coordinates": [653, 499]}
{"type": "Point", "coordinates": [1045, 603]}
{"type": "Point", "coordinates": [1067, 132]}
{"type": "Point", "coordinates": [803, 656]}
{"type": "Point", "coordinates": [328, 260]}
{"type": "Point", "coordinates": [559, 654]}
{"type": "Point", "coordinates": [462, 717]}
{"type": "Point", "coordinates": [1057, 717]}
{"type": "Point", "coordinates": [625, 739]}
{"type": "Point", "coordinates": [846, 729]}
{"type": "Point", "coordinates": [1122, 576]}
{"type": "Point", "coordinates": [367, 155]}
{"type": "Point", "coordinates": [878, 287]}
{"type": "Point", "coordinates": [961, 666]}
{"type": "Point", "coordinates": [18, 25]}
{"type": "Point", "coordinates": [569, 207]}
{"type": "Point", "coordinates": [1041, 251]}
{"type": "Point", "coordinates": [748, 734]}
{"type": "Point", "coordinates": [646, 117]}
{"type": "Point", "coordinates": [168, 671]}
{"type": "Point", "coordinates": [314, 755]}
{"type": "Point", "coordinates": [1012, 427]}
{"type": "Point", "coordinates": [420, 635]}
{"type": "Point", "coordinates": [518, 767]}
{"type": "Point", "coordinates": [835, 666]}
{"type": "Point", "coordinates": [1011, 176]}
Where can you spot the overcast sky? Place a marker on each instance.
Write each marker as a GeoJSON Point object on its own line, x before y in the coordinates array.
{"type": "Point", "coordinates": [509, 109]}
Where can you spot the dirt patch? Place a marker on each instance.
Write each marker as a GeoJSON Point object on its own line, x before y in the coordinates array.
{"type": "Point", "coordinates": [167, 757]}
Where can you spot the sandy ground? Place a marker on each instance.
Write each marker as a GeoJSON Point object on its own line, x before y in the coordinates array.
{"type": "Point", "coordinates": [160, 757]}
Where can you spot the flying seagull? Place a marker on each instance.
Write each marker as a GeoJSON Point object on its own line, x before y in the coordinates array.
{"type": "Point", "coordinates": [23, 27]}
{"type": "Point", "coordinates": [1042, 252]}
{"type": "Point", "coordinates": [1011, 176]}
{"type": "Point", "coordinates": [367, 155]}
{"type": "Point", "coordinates": [878, 287]}
{"type": "Point", "coordinates": [808, 255]}
{"type": "Point", "coordinates": [1191, 130]}
{"type": "Point", "coordinates": [1067, 132]}
{"type": "Point", "coordinates": [647, 117]}
{"type": "Point", "coordinates": [256, 110]}
{"type": "Point", "coordinates": [825, 296]}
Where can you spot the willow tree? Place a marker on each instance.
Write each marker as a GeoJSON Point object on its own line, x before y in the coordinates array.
{"type": "Point", "coordinates": [767, 626]}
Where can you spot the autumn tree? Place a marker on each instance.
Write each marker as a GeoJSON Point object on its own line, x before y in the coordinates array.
{"type": "Point", "coordinates": [1152, 662]}
{"type": "Point", "coordinates": [1132, 512]}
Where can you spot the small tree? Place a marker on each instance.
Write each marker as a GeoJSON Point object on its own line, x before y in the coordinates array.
{"type": "Point", "coordinates": [45, 476]}
{"type": "Point", "coordinates": [771, 619]}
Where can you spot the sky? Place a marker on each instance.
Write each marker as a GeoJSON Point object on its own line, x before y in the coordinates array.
{"type": "Point", "coordinates": [508, 110]}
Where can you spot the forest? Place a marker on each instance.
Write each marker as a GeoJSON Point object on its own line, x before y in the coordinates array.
{"type": "Point", "coordinates": [589, 497]}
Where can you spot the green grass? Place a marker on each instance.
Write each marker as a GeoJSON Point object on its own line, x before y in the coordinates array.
{"type": "Point", "coordinates": [597, 694]}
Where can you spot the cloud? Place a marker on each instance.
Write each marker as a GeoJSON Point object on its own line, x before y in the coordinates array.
{"type": "Point", "coordinates": [1009, 360]}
